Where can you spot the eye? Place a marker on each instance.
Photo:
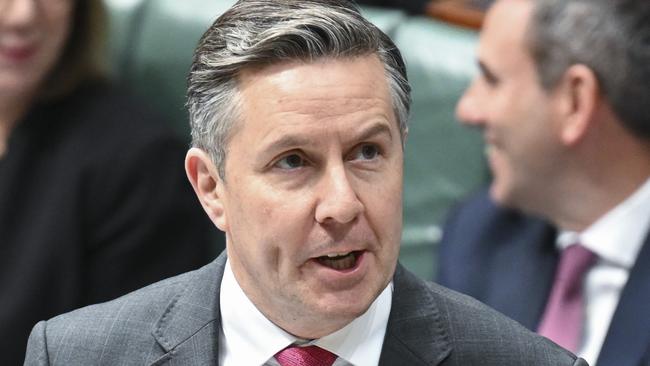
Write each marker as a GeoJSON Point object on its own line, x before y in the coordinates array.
{"type": "Point", "coordinates": [487, 75]}
{"type": "Point", "coordinates": [367, 152]}
{"type": "Point", "coordinates": [490, 79]}
{"type": "Point", "coordinates": [292, 161]}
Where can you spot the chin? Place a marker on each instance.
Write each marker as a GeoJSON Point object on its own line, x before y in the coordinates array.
{"type": "Point", "coordinates": [322, 321]}
{"type": "Point", "coordinates": [517, 199]}
{"type": "Point", "coordinates": [497, 193]}
{"type": "Point", "coordinates": [348, 306]}
{"type": "Point", "coordinates": [18, 85]}
{"type": "Point", "coordinates": [502, 195]}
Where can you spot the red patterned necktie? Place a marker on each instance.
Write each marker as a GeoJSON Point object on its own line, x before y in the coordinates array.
{"type": "Point", "coordinates": [563, 318]}
{"type": "Point", "coordinates": [305, 356]}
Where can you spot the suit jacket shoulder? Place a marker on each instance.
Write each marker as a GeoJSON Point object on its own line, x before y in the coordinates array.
{"type": "Point", "coordinates": [432, 325]}
{"type": "Point", "coordinates": [177, 319]}
{"type": "Point", "coordinates": [483, 245]}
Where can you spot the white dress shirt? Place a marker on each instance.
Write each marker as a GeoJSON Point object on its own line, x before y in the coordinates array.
{"type": "Point", "coordinates": [617, 238]}
{"type": "Point", "coordinates": [249, 338]}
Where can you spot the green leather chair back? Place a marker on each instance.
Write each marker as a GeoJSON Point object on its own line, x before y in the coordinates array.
{"type": "Point", "coordinates": [443, 160]}
{"type": "Point", "coordinates": [164, 35]}
{"type": "Point", "coordinates": [123, 18]}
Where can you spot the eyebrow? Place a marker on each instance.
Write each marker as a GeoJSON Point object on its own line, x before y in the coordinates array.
{"type": "Point", "coordinates": [292, 141]}
{"type": "Point", "coordinates": [487, 73]}
{"type": "Point", "coordinates": [288, 141]}
{"type": "Point", "coordinates": [374, 130]}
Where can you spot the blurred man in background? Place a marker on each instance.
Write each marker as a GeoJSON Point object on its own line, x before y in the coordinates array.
{"type": "Point", "coordinates": [560, 242]}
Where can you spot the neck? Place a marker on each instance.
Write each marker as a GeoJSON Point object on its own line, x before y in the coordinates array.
{"type": "Point", "coordinates": [602, 176]}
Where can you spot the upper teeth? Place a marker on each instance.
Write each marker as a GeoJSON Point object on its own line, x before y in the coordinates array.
{"type": "Point", "coordinates": [334, 255]}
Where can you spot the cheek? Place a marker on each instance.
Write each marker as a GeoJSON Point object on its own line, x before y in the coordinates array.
{"type": "Point", "coordinates": [56, 29]}
{"type": "Point", "coordinates": [383, 204]}
{"type": "Point", "coordinates": [289, 222]}
{"type": "Point", "coordinates": [59, 18]}
{"type": "Point", "coordinates": [530, 136]}
{"type": "Point", "coordinates": [279, 222]}
{"type": "Point", "coordinates": [287, 207]}
{"type": "Point", "coordinates": [60, 31]}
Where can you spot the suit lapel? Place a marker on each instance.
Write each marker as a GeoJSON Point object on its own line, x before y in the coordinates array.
{"type": "Point", "coordinates": [415, 334]}
{"type": "Point", "coordinates": [189, 329]}
{"type": "Point", "coordinates": [628, 337]}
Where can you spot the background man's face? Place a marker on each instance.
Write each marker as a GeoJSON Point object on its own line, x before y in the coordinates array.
{"type": "Point", "coordinates": [314, 171]}
{"type": "Point", "coordinates": [507, 101]}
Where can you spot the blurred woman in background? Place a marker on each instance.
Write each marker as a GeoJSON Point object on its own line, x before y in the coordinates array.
{"type": "Point", "coordinates": [93, 197]}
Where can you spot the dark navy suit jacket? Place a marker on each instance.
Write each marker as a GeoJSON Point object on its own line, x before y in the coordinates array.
{"type": "Point", "coordinates": [507, 260]}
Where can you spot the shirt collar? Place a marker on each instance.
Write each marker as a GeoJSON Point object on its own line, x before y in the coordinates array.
{"type": "Point", "coordinates": [617, 236]}
{"type": "Point", "coordinates": [359, 342]}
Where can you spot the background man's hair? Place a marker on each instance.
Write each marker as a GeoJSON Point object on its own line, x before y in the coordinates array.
{"type": "Point", "coordinates": [612, 37]}
{"type": "Point", "coordinates": [258, 33]}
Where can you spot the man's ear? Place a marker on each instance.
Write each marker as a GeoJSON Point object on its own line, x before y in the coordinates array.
{"type": "Point", "coordinates": [207, 184]}
{"type": "Point", "coordinates": [578, 92]}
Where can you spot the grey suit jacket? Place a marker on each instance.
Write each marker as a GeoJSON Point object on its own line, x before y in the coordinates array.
{"type": "Point", "coordinates": [177, 322]}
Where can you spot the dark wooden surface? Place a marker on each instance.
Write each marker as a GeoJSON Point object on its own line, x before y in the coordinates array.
{"type": "Point", "coordinates": [465, 13]}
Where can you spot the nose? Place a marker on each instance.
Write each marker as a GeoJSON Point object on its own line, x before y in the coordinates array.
{"type": "Point", "coordinates": [468, 108]}
{"type": "Point", "coordinates": [338, 201]}
{"type": "Point", "coordinates": [18, 13]}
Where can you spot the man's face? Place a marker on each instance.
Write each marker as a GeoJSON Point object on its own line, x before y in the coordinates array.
{"type": "Point", "coordinates": [312, 198]}
{"type": "Point", "coordinates": [507, 101]}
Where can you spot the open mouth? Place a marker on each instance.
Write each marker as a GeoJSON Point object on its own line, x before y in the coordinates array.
{"type": "Point", "coordinates": [340, 261]}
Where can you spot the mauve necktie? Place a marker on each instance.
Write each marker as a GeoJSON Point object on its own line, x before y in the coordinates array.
{"type": "Point", "coordinates": [305, 356]}
{"type": "Point", "coordinates": [562, 321]}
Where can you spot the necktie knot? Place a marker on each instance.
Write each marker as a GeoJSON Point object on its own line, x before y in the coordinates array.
{"type": "Point", "coordinates": [305, 356]}
{"type": "Point", "coordinates": [563, 320]}
{"type": "Point", "coordinates": [574, 263]}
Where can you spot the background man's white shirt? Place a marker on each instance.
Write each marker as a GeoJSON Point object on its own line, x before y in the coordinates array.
{"type": "Point", "coordinates": [617, 238]}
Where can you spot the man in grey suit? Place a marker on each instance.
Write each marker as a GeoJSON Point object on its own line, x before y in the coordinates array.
{"type": "Point", "coordinates": [298, 113]}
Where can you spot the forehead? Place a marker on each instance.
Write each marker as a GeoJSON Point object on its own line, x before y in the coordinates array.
{"type": "Point", "coordinates": [287, 74]}
{"type": "Point", "coordinates": [326, 88]}
{"type": "Point", "coordinates": [504, 31]}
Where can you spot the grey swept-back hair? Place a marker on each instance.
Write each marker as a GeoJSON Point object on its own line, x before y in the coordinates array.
{"type": "Point", "coordinates": [612, 37]}
{"type": "Point", "coordinates": [258, 33]}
